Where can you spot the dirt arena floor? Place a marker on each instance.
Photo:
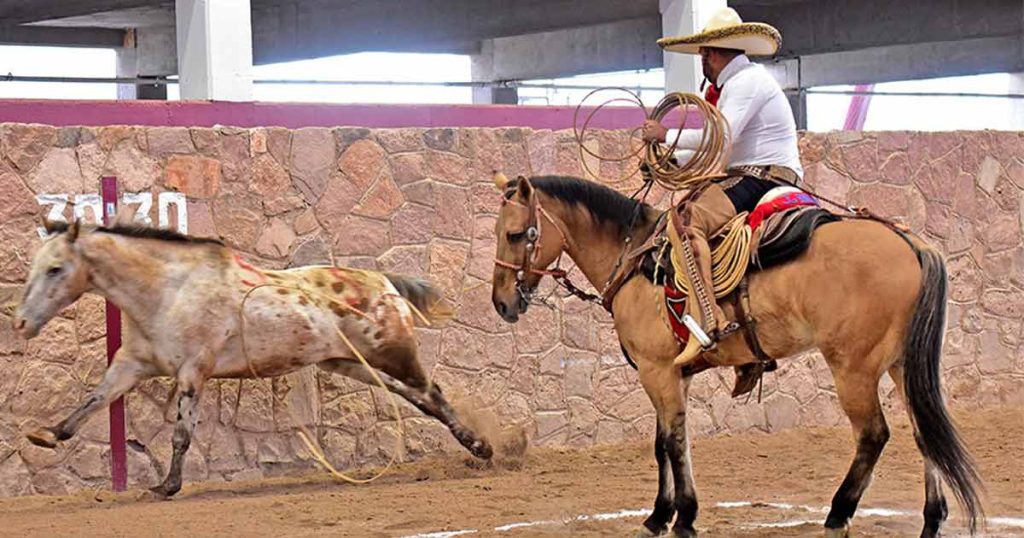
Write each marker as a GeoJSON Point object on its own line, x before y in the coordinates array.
{"type": "Point", "coordinates": [775, 485]}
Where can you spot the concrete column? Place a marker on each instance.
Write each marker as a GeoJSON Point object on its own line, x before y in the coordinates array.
{"type": "Point", "coordinates": [214, 42]}
{"type": "Point", "coordinates": [148, 52]}
{"type": "Point", "coordinates": [684, 17]}
{"type": "Point", "coordinates": [482, 70]}
{"type": "Point", "coordinates": [1016, 105]}
{"type": "Point", "coordinates": [798, 102]}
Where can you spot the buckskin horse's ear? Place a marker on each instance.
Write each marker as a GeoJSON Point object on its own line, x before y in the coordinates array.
{"type": "Point", "coordinates": [524, 187]}
{"type": "Point", "coordinates": [500, 181]}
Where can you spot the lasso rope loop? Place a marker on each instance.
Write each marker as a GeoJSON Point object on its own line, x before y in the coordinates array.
{"type": "Point", "coordinates": [315, 451]}
{"type": "Point", "coordinates": [709, 159]}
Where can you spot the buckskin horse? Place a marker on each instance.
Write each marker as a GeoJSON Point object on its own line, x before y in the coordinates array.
{"type": "Point", "coordinates": [871, 298]}
{"type": "Point", "coordinates": [183, 300]}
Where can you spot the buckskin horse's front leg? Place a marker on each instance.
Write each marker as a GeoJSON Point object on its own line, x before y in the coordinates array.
{"type": "Point", "coordinates": [657, 522]}
{"type": "Point", "coordinates": [668, 391]}
{"type": "Point", "coordinates": [189, 390]}
{"type": "Point", "coordinates": [124, 373]}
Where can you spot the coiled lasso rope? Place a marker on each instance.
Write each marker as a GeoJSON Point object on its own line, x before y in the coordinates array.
{"type": "Point", "coordinates": [708, 161]}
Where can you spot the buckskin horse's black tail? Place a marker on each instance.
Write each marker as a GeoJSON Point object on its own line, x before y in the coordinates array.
{"type": "Point", "coordinates": [936, 435]}
{"type": "Point", "coordinates": [423, 295]}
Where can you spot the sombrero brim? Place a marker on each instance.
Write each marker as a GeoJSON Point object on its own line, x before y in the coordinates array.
{"type": "Point", "coordinates": [753, 38]}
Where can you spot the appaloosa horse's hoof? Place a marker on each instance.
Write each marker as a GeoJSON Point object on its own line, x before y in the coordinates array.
{"type": "Point", "coordinates": [44, 437]}
{"type": "Point", "coordinates": [163, 491]}
{"type": "Point", "coordinates": [481, 449]}
{"type": "Point", "coordinates": [842, 532]}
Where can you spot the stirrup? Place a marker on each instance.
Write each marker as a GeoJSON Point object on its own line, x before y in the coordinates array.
{"type": "Point", "coordinates": [698, 343]}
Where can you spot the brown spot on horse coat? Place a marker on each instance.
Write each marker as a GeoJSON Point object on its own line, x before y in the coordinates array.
{"type": "Point", "coordinates": [303, 300]}
{"type": "Point", "coordinates": [283, 291]}
{"type": "Point", "coordinates": [338, 287]}
{"type": "Point", "coordinates": [339, 310]}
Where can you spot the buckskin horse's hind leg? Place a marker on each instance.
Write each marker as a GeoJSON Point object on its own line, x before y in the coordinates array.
{"type": "Point", "coordinates": [189, 390]}
{"type": "Point", "coordinates": [935, 508]}
{"type": "Point", "coordinates": [429, 401]}
{"type": "Point", "coordinates": [122, 375]}
{"type": "Point", "coordinates": [858, 395]}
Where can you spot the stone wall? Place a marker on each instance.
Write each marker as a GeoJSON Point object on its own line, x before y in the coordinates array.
{"type": "Point", "coordinates": [420, 201]}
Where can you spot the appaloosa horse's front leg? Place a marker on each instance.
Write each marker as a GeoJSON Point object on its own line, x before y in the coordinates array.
{"type": "Point", "coordinates": [123, 374]}
{"type": "Point", "coordinates": [189, 390]}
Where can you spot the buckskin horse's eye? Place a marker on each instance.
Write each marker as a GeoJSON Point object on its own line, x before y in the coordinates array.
{"type": "Point", "coordinates": [515, 237]}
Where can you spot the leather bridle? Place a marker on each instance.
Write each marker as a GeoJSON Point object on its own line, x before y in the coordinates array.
{"type": "Point", "coordinates": [533, 248]}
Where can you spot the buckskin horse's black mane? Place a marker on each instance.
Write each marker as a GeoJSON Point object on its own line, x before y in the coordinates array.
{"type": "Point", "coordinates": [607, 205]}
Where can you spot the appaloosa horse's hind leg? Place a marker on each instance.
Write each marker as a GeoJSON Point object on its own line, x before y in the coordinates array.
{"type": "Point", "coordinates": [935, 508]}
{"type": "Point", "coordinates": [858, 395]}
{"type": "Point", "coordinates": [189, 390]}
{"type": "Point", "coordinates": [427, 399]}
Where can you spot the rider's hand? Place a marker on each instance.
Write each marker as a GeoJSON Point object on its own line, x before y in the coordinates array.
{"type": "Point", "coordinates": [654, 131]}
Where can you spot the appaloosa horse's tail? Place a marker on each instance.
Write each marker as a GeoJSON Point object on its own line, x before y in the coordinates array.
{"type": "Point", "coordinates": [423, 295]}
{"type": "Point", "coordinates": [935, 433]}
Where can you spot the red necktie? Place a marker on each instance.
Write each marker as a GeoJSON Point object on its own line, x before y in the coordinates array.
{"type": "Point", "coordinates": [712, 94]}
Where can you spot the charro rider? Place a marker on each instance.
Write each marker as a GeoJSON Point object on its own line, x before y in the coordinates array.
{"type": "Point", "coordinates": [763, 139]}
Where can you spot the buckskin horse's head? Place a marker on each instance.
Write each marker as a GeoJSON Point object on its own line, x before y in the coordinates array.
{"type": "Point", "coordinates": [528, 241]}
{"type": "Point", "coordinates": [57, 278]}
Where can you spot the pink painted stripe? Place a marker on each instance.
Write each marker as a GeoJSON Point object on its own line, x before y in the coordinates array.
{"type": "Point", "coordinates": [857, 114]}
{"type": "Point", "coordinates": [296, 115]}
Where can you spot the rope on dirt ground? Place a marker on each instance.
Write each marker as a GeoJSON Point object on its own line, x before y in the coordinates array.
{"type": "Point", "coordinates": [314, 448]}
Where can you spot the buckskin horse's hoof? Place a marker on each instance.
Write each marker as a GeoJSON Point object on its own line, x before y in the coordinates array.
{"type": "Point", "coordinates": [44, 437]}
{"type": "Point", "coordinates": [644, 532]}
{"type": "Point", "coordinates": [842, 532]}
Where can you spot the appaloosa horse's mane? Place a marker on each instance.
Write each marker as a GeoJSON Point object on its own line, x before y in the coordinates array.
{"type": "Point", "coordinates": [142, 232]}
{"type": "Point", "coordinates": [607, 205]}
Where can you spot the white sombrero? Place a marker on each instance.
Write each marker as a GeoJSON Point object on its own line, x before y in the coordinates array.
{"type": "Point", "coordinates": [726, 30]}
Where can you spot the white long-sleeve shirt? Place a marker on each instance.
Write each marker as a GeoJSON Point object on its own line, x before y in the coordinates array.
{"type": "Point", "coordinates": [760, 119]}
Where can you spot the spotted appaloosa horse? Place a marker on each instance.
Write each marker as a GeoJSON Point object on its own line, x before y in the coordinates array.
{"type": "Point", "coordinates": [182, 301]}
{"type": "Point", "coordinates": [870, 300]}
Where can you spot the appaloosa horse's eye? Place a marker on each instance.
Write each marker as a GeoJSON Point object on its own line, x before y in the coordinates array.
{"type": "Point", "coordinates": [54, 271]}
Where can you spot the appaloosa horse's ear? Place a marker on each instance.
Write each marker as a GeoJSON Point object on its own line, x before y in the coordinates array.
{"type": "Point", "coordinates": [73, 230]}
{"type": "Point", "coordinates": [48, 225]}
{"type": "Point", "coordinates": [500, 181]}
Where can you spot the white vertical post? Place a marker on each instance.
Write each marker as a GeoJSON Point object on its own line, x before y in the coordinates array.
{"type": "Point", "coordinates": [684, 17]}
{"type": "Point", "coordinates": [1016, 105]}
{"type": "Point", "coordinates": [214, 49]}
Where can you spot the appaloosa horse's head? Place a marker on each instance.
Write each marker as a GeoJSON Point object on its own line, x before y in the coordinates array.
{"type": "Point", "coordinates": [528, 241]}
{"type": "Point", "coordinates": [57, 278]}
